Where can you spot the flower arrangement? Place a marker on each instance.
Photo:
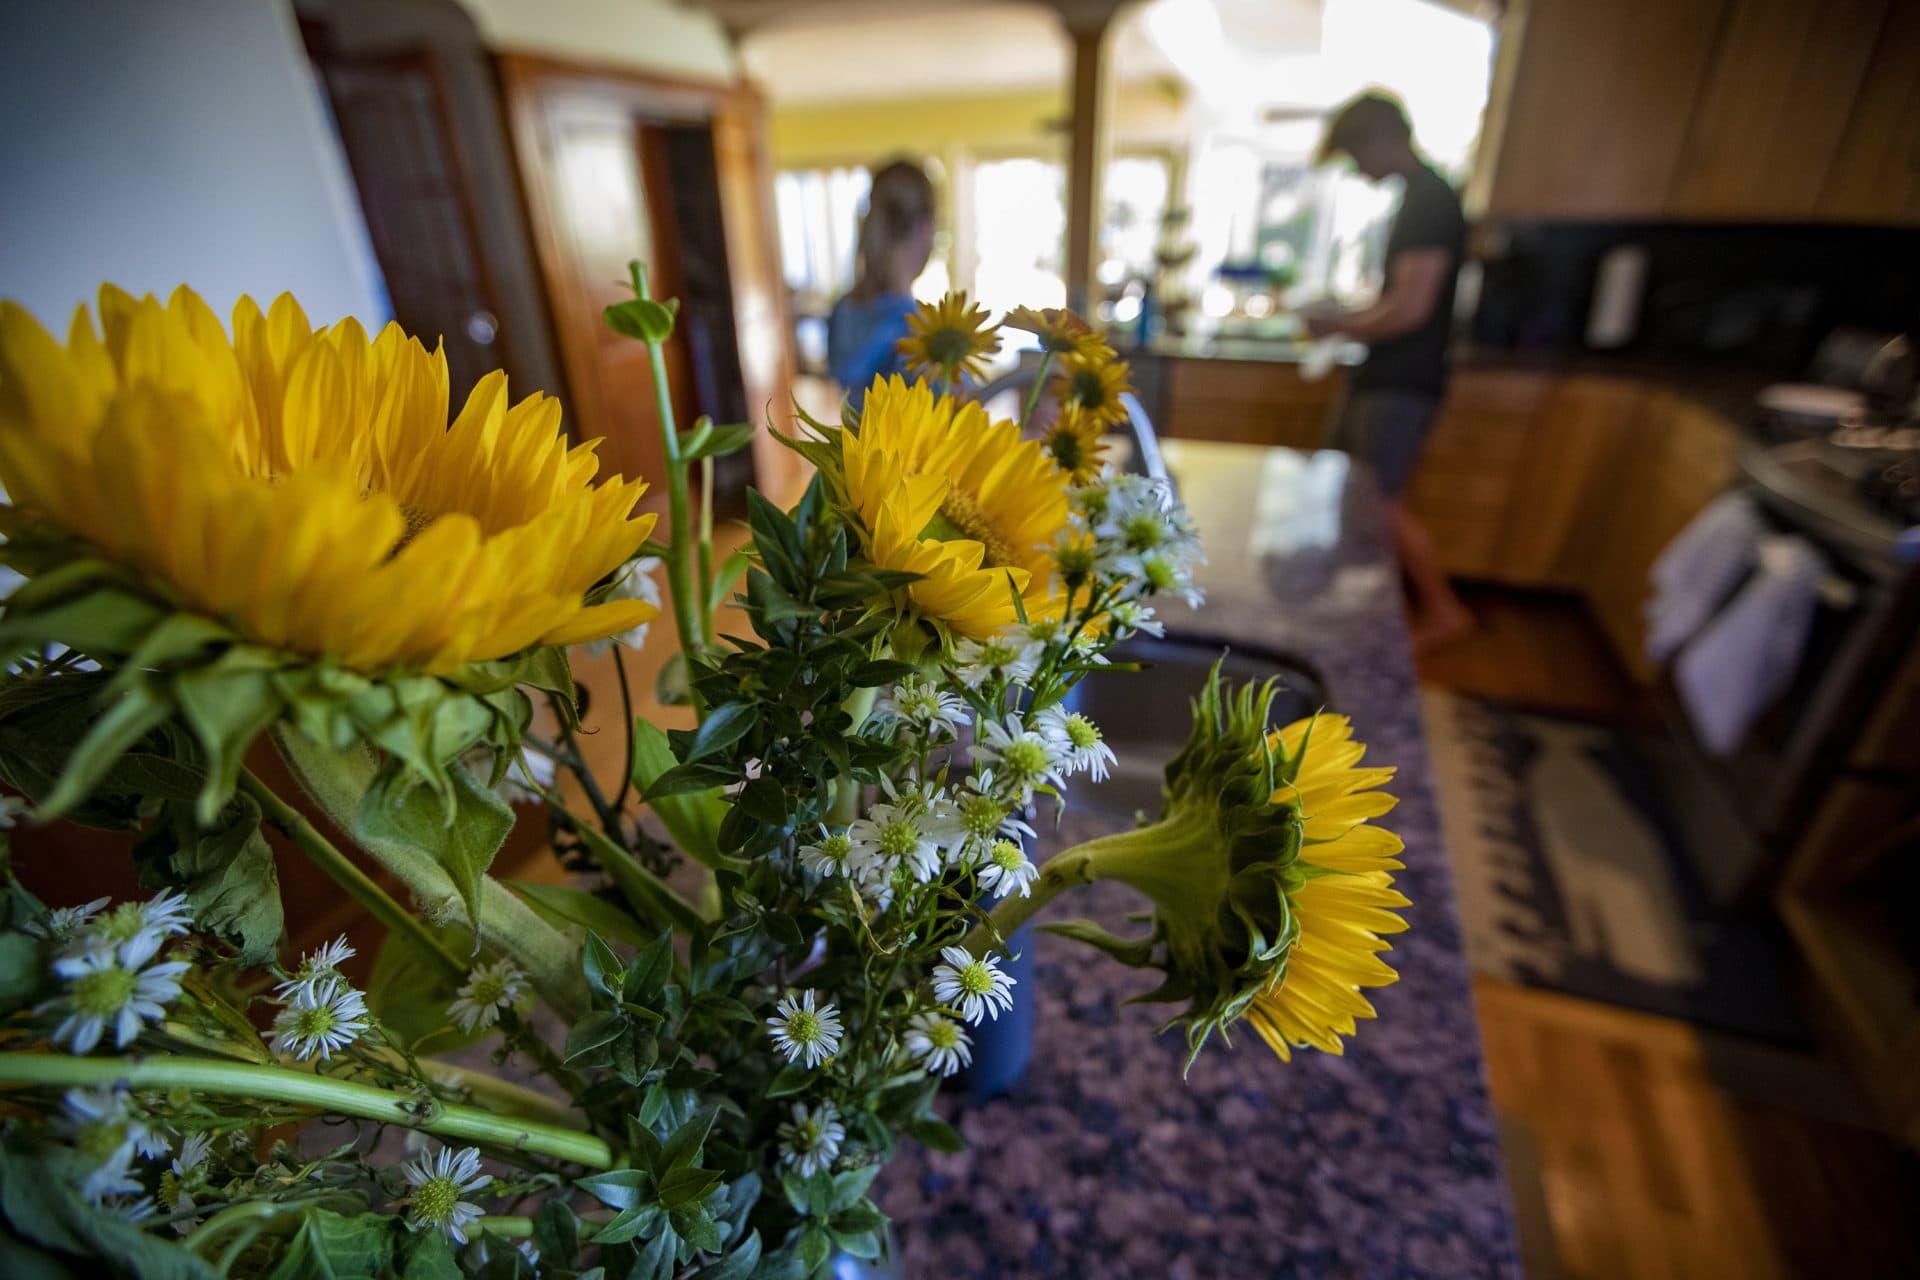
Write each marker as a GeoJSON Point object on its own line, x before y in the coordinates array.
{"type": "Point", "coordinates": [702, 1052]}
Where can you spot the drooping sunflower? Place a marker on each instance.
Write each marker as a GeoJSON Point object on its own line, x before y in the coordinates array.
{"type": "Point", "coordinates": [304, 486]}
{"type": "Point", "coordinates": [1094, 385]}
{"type": "Point", "coordinates": [1060, 331]}
{"type": "Point", "coordinates": [1077, 444]}
{"type": "Point", "coordinates": [945, 492]}
{"type": "Point", "coordinates": [949, 338]}
{"type": "Point", "coordinates": [1348, 901]}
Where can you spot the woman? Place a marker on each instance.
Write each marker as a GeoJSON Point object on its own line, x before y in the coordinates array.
{"type": "Point", "coordinates": [896, 237]}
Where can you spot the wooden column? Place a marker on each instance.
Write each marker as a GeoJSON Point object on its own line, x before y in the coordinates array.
{"type": "Point", "coordinates": [1087, 22]}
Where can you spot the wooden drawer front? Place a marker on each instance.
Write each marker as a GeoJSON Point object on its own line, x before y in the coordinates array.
{"type": "Point", "coordinates": [1247, 402]}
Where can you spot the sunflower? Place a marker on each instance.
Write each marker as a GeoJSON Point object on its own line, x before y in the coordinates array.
{"type": "Point", "coordinates": [949, 338]}
{"type": "Point", "coordinates": [1060, 331]}
{"type": "Point", "coordinates": [963, 501]}
{"type": "Point", "coordinates": [1347, 899]}
{"type": "Point", "coordinates": [1077, 444]}
{"type": "Point", "coordinates": [304, 488]}
{"type": "Point", "coordinates": [1094, 386]}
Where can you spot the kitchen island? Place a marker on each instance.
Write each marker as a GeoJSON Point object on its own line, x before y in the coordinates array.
{"type": "Point", "coordinates": [1102, 1161]}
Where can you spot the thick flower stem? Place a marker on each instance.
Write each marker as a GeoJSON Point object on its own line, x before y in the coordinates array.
{"type": "Point", "coordinates": [1065, 870]}
{"type": "Point", "coordinates": [324, 854]}
{"type": "Point", "coordinates": [1039, 382]}
{"type": "Point", "coordinates": [679, 520]}
{"type": "Point", "coordinates": [340, 1097]}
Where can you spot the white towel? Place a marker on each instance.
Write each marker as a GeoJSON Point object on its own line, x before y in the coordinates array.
{"type": "Point", "coordinates": [1697, 569]}
{"type": "Point", "coordinates": [1746, 657]}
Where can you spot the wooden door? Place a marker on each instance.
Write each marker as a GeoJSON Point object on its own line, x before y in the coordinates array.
{"type": "Point", "coordinates": [1875, 175]}
{"type": "Point", "coordinates": [391, 111]}
{"type": "Point", "coordinates": [618, 166]}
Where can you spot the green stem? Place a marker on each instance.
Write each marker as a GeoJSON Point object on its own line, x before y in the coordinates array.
{"type": "Point", "coordinates": [505, 1225]}
{"type": "Point", "coordinates": [1065, 870]}
{"type": "Point", "coordinates": [626, 712]}
{"type": "Point", "coordinates": [679, 569]}
{"type": "Point", "coordinates": [705, 550]}
{"type": "Point", "coordinates": [324, 854]}
{"type": "Point", "coordinates": [1033, 393]}
{"type": "Point", "coordinates": [341, 1097]}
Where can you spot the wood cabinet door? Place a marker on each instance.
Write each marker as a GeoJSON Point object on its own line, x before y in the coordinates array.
{"type": "Point", "coordinates": [1464, 485]}
{"type": "Point", "coordinates": [1573, 475]}
{"type": "Point", "coordinates": [1594, 105]}
{"type": "Point", "coordinates": [1875, 174]}
{"type": "Point", "coordinates": [1774, 107]}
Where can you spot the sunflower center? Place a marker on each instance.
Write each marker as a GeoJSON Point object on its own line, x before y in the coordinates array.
{"type": "Point", "coordinates": [434, 1199]}
{"type": "Point", "coordinates": [103, 992]}
{"type": "Point", "coordinates": [960, 516]}
{"type": "Point", "coordinates": [414, 522]}
{"type": "Point", "coordinates": [1066, 450]}
{"type": "Point", "coordinates": [948, 347]}
{"type": "Point", "coordinates": [1086, 389]}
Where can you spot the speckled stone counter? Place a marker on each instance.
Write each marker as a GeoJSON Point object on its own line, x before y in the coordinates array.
{"type": "Point", "coordinates": [1103, 1162]}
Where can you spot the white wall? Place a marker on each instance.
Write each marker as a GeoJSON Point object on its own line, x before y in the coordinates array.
{"type": "Point", "coordinates": [654, 35]}
{"type": "Point", "coordinates": [152, 144]}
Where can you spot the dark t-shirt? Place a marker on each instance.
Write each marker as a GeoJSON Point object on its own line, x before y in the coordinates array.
{"type": "Point", "coordinates": [1429, 218]}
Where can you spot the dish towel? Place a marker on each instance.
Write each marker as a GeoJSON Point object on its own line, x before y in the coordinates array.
{"type": "Point", "coordinates": [1697, 569]}
{"type": "Point", "coordinates": [1746, 657]}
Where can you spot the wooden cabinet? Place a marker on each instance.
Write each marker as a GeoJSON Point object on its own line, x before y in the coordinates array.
{"type": "Point", "coordinates": [1875, 174]}
{"type": "Point", "coordinates": [1242, 401]}
{"type": "Point", "coordinates": [1472, 462]}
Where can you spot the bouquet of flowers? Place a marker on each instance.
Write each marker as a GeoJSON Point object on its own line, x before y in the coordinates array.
{"type": "Point", "coordinates": [788, 921]}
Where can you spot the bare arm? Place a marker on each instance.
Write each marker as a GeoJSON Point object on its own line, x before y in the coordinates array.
{"type": "Point", "coordinates": [1414, 282]}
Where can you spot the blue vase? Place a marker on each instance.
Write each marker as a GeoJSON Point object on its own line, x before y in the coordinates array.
{"type": "Point", "coordinates": [1003, 1046]}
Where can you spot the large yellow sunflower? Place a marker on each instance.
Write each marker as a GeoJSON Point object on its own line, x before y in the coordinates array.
{"type": "Point", "coordinates": [949, 338]}
{"type": "Point", "coordinates": [961, 500]}
{"type": "Point", "coordinates": [1094, 385]}
{"type": "Point", "coordinates": [1347, 902]}
{"type": "Point", "coordinates": [304, 486]}
{"type": "Point", "coordinates": [1077, 444]}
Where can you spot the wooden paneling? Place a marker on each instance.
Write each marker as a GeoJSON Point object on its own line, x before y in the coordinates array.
{"type": "Point", "coordinates": [1875, 174]}
{"type": "Point", "coordinates": [1246, 402]}
{"type": "Point", "coordinates": [1598, 106]}
{"type": "Point", "coordinates": [1569, 478]}
{"type": "Point", "coordinates": [1472, 462]}
{"type": "Point", "coordinates": [1775, 106]}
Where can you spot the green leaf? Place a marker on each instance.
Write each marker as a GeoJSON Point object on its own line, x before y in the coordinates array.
{"type": "Point", "coordinates": [40, 1199]}
{"type": "Point", "coordinates": [602, 966]}
{"type": "Point", "coordinates": [936, 1134]}
{"type": "Point", "coordinates": [595, 1031]}
{"type": "Point", "coordinates": [682, 1187]}
{"type": "Point", "coordinates": [864, 1245]}
{"type": "Point", "coordinates": [556, 1233]}
{"type": "Point", "coordinates": [737, 1265]}
{"type": "Point", "coordinates": [642, 318]}
{"type": "Point", "coordinates": [723, 726]}
{"type": "Point", "coordinates": [699, 1229]}
{"type": "Point", "coordinates": [793, 1078]}
{"type": "Point", "coordinates": [138, 710]}
{"type": "Point", "coordinates": [463, 842]}
{"type": "Point", "coordinates": [723, 581]}
{"type": "Point", "coordinates": [620, 1188]}
{"type": "Point", "coordinates": [848, 1187]}
{"type": "Point", "coordinates": [429, 1256]}
{"type": "Point", "coordinates": [719, 441]}
{"type": "Point", "coordinates": [861, 1215]}
{"type": "Point", "coordinates": [333, 1246]}
{"type": "Point", "coordinates": [683, 1148]}
{"type": "Point", "coordinates": [652, 899]}
{"type": "Point", "coordinates": [691, 818]}
{"type": "Point", "coordinates": [20, 970]}
{"type": "Point", "coordinates": [657, 1261]}
{"type": "Point", "coordinates": [671, 686]}
{"type": "Point", "coordinates": [628, 1223]}
{"type": "Point", "coordinates": [649, 970]}
{"type": "Point", "coordinates": [1134, 952]}
{"type": "Point", "coordinates": [228, 705]}
{"type": "Point", "coordinates": [563, 907]}
{"type": "Point", "coordinates": [226, 872]}
{"type": "Point", "coordinates": [410, 991]}
{"type": "Point", "coordinates": [815, 1245]}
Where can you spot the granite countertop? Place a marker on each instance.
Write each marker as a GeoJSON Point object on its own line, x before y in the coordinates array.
{"type": "Point", "coordinates": [1383, 1162]}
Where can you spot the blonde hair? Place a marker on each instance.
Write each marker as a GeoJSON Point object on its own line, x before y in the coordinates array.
{"type": "Point", "coordinates": [899, 200]}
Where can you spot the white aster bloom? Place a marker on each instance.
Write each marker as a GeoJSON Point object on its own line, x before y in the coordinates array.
{"type": "Point", "coordinates": [1008, 870]}
{"type": "Point", "coordinates": [938, 1043]}
{"type": "Point", "coordinates": [974, 986]}
{"type": "Point", "coordinates": [633, 580]}
{"type": "Point", "coordinates": [114, 987]}
{"type": "Point", "coordinates": [63, 924]}
{"type": "Point", "coordinates": [833, 854]}
{"type": "Point", "coordinates": [922, 707]}
{"type": "Point", "coordinates": [1076, 742]}
{"type": "Point", "coordinates": [906, 835]}
{"type": "Point", "coordinates": [135, 929]}
{"type": "Point", "coordinates": [987, 814]}
{"type": "Point", "coordinates": [1130, 616]}
{"type": "Point", "coordinates": [320, 1019]}
{"type": "Point", "coordinates": [811, 1139]}
{"type": "Point", "coordinates": [183, 1177]}
{"type": "Point", "coordinates": [1010, 655]}
{"type": "Point", "coordinates": [490, 990]}
{"type": "Point", "coordinates": [436, 1185]}
{"type": "Point", "coordinates": [317, 967]}
{"type": "Point", "coordinates": [103, 1126]}
{"type": "Point", "coordinates": [1022, 758]}
{"type": "Point", "coordinates": [1163, 573]}
{"type": "Point", "coordinates": [804, 1030]}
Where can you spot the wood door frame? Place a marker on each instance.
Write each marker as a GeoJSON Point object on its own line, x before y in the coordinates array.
{"type": "Point", "coordinates": [525, 79]}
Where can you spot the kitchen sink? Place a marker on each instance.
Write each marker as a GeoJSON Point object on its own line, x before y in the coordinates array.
{"type": "Point", "coordinates": [1145, 715]}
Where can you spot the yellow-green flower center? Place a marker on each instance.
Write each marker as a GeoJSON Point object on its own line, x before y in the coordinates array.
{"type": "Point", "coordinates": [976, 980]}
{"type": "Point", "coordinates": [960, 517]}
{"type": "Point", "coordinates": [1025, 758]}
{"type": "Point", "coordinates": [489, 990]}
{"type": "Point", "coordinates": [1007, 856]}
{"type": "Point", "coordinates": [1143, 531]}
{"type": "Point", "coordinates": [315, 1022]}
{"type": "Point", "coordinates": [1159, 573]}
{"type": "Point", "coordinates": [942, 1034]}
{"type": "Point", "coordinates": [434, 1199]}
{"type": "Point", "coordinates": [803, 1027]}
{"type": "Point", "coordinates": [104, 992]}
{"type": "Point", "coordinates": [98, 1141]}
{"type": "Point", "coordinates": [898, 838]}
{"type": "Point", "coordinates": [121, 923]}
{"type": "Point", "coordinates": [835, 848]}
{"type": "Point", "coordinates": [982, 815]}
{"type": "Point", "coordinates": [1081, 732]}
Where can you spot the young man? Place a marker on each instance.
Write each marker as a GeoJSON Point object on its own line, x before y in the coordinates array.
{"type": "Point", "coordinates": [1392, 398]}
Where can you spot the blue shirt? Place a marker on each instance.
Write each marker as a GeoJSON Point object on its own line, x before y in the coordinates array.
{"type": "Point", "coordinates": [861, 338]}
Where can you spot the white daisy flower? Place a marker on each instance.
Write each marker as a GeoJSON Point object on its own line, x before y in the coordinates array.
{"type": "Point", "coordinates": [893, 836]}
{"type": "Point", "coordinates": [103, 1126]}
{"type": "Point", "coordinates": [974, 986]}
{"type": "Point", "coordinates": [1076, 741]}
{"type": "Point", "coordinates": [317, 967]}
{"type": "Point", "coordinates": [489, 990]}
{"type": "Point", "coordinates": [1009, 655]}
{"type": "Point", "coordinates": [1022, 758]}
{"type": "Point", "coordinates": [63, 924]}
{"type": "Point", "coordinates": [436, 1186]}
{"type": "Point", "coordinates": [811, 1140]}
{"type": "Point", "coordinates": [1008, 870]}
{"type": "Point", "coordinates": [833, 854]}
{"type": "Point", "coordinates": [320, 1019]}
{"type": "Point", "coordinates": [1041, 631]}
{"type": "Point", "coordinates": [634, 580]}
{"type": "Point", "coordinates": [135, 929]}
{"type": "Point", "coordinates": [923, 707]}
{"type": "Point", "coordinates": [1130, 616]}
{"type": "Point", "coordinates": [115, 986]}
{"type": "Point", "coordinates": [1164, 573]}
{"type": "Point", "coordinates": [986, 815]}
{"type": "Point", "coordinates": [805, 1031]}
{"type": "Point", "coordinates": [938, 1043]}
{"type": "Point", "coordinates": [183, 1177]}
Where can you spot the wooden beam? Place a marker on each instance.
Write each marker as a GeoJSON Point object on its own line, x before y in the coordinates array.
{"type": "Point", "coordinates": [1087, 147]}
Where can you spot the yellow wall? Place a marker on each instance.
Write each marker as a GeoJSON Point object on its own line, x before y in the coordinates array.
{"type": "Point", "coordinates": [654, 35]}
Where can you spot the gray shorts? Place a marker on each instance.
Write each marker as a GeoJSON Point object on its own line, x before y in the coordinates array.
{"type": "Point", "coordinates": [1384, 429]}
